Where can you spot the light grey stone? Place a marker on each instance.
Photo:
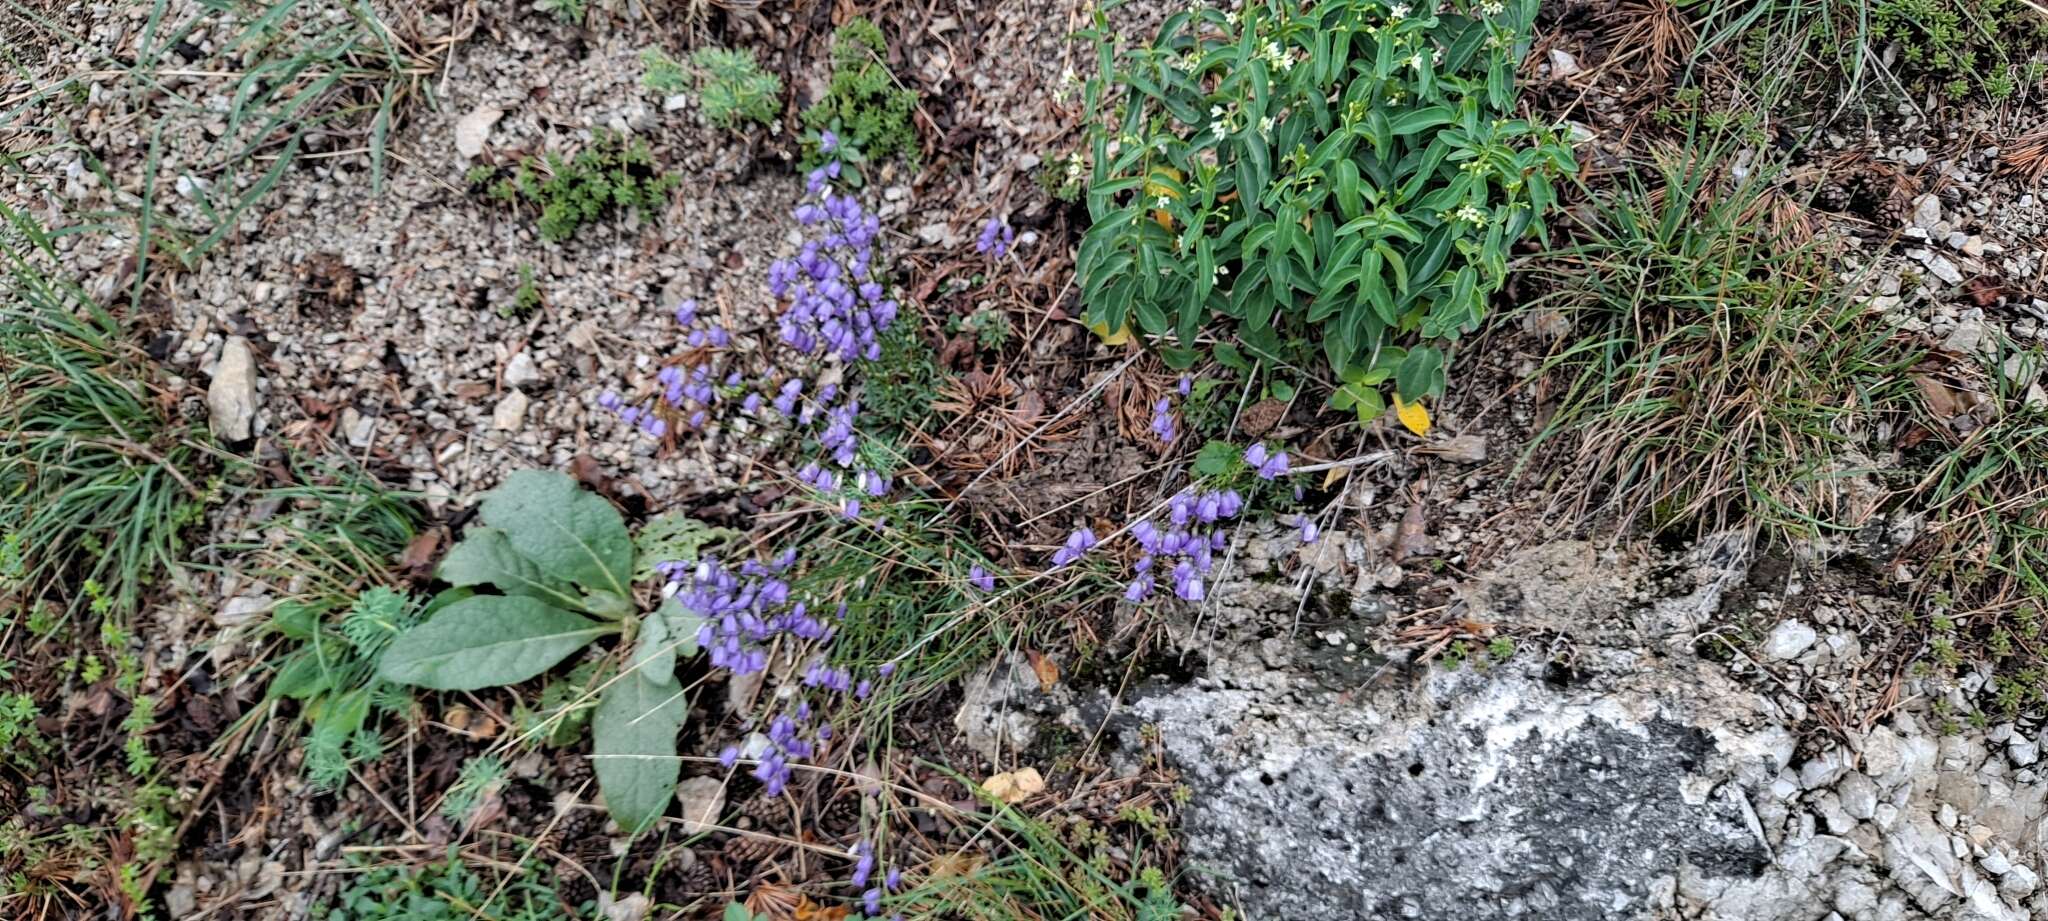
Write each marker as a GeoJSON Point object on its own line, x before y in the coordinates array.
{"type": "Point", "coordinates": [1788, 639]}
{"type": "Point", "coordinates": [510, 413]}
{"type": "Point", "coordinates": [231, 398]}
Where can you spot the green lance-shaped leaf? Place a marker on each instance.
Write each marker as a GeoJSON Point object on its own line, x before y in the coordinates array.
{"type": "Point", "coordinates": [487, 640]}
{"type": "Point", "coordinates": [571, 534]}
{"type": "Point", "coordinates": [633, 737]}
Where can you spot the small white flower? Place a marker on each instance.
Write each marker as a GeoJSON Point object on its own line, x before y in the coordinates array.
{"type": "Point", "coordinates": [1398, 13]}
{"type": "Point", "coordinates": [1215, 112]}
{"type": "Point", "coordinates": [1491, 7]}
{"type": "Point", "coordinates": [1221, 271]}
{"type": "Point", "coordinates": [1266, 125]}
{"type": "Point", "coordinates": [1472, 215]}
{"type": "Point", "coordinates": [1161, 202]}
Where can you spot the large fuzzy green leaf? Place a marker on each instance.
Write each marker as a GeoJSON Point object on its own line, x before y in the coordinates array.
{"type": "Point", "coordinates": [487, 640]}
{"type": "Point", "coordinates": [633, 737]}
{"type": "Point", "coordinates": [570, 534]}
{"type": "Point", "coordinates": [486, 557]}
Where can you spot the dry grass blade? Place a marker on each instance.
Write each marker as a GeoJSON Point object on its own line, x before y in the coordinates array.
{"type": "Point", "coordinates": [993, 424]}
{"type": "Point", "coordinates": [1652, 35]}
{"type": "Point", "coordinates": [2027, 155]}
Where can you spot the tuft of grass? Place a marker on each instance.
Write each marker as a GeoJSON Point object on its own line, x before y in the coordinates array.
{"type": "Point", "coordinates": [279, 71]}
{"type": "Point", "coordinates": [100, 473]}
{"type": "Point", "coordinates": [1047, 870]}
{"type": "Point", "coordinates": [1984, 550]}
{"type": "Point", "coordinates": [611, 174]}
{"type": "Point", "coordinates": [1959, 48]}
{"type": "Point", "coordinates": [1716, 371]}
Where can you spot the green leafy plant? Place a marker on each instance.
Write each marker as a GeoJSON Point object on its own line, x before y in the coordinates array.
{"type": "Point", "coordinates": [612, 173]}
{"type": "Point", "coordinates": [19, 738]}
{"type": "Point", "coordinates": [562, 563]}
{"type": "Point", "coordinates": [990, 327]}
{"type": "Point", "coordinates": [335, 535]}
{"type": "Point", "coordinates": [447, 890]}
{"type": "Point", "coordinates": [730, 84]}
{"type": "Point", "coordinates": [525, 298]}
{"type": "Point", "coordinates": [571, 11]}
{"type": "Point", "coordinates": [662, 74]}
{"type": "Point", "coordinates": [1344, 174]}
{"type": "Point", "coordinates": [864, 107]}
{"type": "Point", "coordinates": [332, 675]}
{"type": "Point", "coordinates": [1962, 46]}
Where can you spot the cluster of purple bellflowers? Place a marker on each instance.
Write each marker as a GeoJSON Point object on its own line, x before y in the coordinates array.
{"type": "Point", "coordinates": [835, 302]}
{"type": "Point", "coordinates": [1163, 426]}
{"type": "Point", "coordinates": [747, 615]}
{"type": "Point", "coordinates": [1183, 550]}
{"type": "Point", "coordinates": [834, 310]}
{"type": "Point", "coordinates": [997, 236]}
{"type": "Point", "coordinates": [1180, 546]}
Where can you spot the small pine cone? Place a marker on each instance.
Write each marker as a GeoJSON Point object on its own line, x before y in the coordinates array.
{"type": "Point", "coordinates": [571, 769]}
{"type": "Point", "coordinates": [746, 849]}
{"type": "Point", "coordinates": [765, 810]}
{"type": "Point", "coordinates": [575, 825]}
{"type": "Point", "coordinates": [699, 878]}
{"type": "Point", "coordinates": [1833, 196]}
{"type": "Point", "coordinates": [841, 814]}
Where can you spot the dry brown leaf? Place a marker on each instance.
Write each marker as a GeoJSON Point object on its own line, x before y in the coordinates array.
{"type": "Point", "coordinates": [1941, 400]}
{"type": "Point", "coordinates": [1465, 449]}
{"type": "Point", "coordinates": [1013, 787]}
{"type": "Point", "coordinates": [418, 561]}
{"type": "Point", "coordinates": [961, 864]}
{"type": "Point", "coordinates": [1412, 538]}
{"type": "Point", "coordinates": [1047, 670]}
{"type": "Point", "coordinates": [1260, 418]}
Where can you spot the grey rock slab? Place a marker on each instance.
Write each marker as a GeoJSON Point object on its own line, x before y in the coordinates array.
{"type": "Point", "coordinates": [1495, 796]}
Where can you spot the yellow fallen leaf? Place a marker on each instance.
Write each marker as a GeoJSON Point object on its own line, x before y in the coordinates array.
{"type": "Point", "coordinates": [1412, 415]}
{"type": "Point", "coordinates": [1121, 336]}
{"type": "Point", "coordinates": [1155, 189]}
{"type": "Point", "coordinates": [1013, 787]}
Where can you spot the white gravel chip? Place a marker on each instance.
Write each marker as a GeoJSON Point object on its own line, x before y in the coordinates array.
{"type": "Point", "coordinates": [1788, 639]}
